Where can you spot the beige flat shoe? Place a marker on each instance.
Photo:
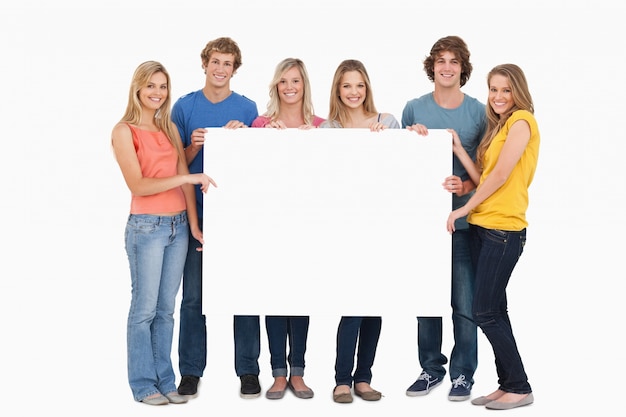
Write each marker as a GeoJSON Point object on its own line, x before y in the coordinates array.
{"type": "Point", "coordinates": [342, 398]}
{"type": "Point", "coordinates": [372, 395]}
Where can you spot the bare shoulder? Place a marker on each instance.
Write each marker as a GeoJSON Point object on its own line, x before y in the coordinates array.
{"type": "Point", "coordinates": [121, 127]}
{"type": "Point", "coordinates": [121, 132]}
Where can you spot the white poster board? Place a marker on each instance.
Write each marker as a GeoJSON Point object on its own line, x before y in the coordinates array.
{"type": "Point", "coordinates": [326, 221]}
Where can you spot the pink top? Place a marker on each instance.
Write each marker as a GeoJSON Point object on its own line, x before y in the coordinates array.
{"type": "Point", "coordinates": [263, 121]}
{"type": "Point", "coordinates": [158, 159]}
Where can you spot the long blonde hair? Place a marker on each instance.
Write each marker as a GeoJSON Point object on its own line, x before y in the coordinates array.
{"type": "Point", "coordinates": [273, 105]}
{"type": "Point", "coordinates": [162, 118]}
{"type": "Point", "coordinates": [337, 110]}
{"type": "Point", "coordinates": [522, 100]}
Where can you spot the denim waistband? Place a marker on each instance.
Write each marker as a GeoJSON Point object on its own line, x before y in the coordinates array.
{"type": "Point", "coordinates": [151, 218]}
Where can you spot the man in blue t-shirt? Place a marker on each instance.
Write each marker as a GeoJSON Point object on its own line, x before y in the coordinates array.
{"type": "Point", "coordinates": [215, 105]}
{"type": "Point", "coordinates": [447, 107]}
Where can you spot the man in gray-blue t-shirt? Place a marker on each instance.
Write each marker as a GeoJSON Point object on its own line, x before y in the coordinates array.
{"type": "Point", "coordinates": [447, 107]}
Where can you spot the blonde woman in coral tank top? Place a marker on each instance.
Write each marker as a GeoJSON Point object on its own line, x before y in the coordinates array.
{"type": "Point", "coordinates": [148, 149]}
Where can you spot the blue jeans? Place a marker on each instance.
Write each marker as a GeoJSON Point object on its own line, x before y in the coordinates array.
{"type": "Point", "coordinates": [495, 254]}
{"type": "Point", "coordinates": [464, 357]}
{"type": "Point", "coordinates": [247, 332]}
{"type": "Point", "coordinates": [192, 339]}
{"type": "Point", "coordinates": [367, 331]}
{"type": "Point", "coordinates": [156, 247]}
{"type": "Point", "coordinates": [279, 329]}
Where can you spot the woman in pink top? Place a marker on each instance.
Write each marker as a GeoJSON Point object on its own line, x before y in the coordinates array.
{"type": "Point", "coordinates": [290, 103]}
{"type": "Point", "coordinates": [290, 106]}
{"type": "Point", "coordinates": [149, 151]}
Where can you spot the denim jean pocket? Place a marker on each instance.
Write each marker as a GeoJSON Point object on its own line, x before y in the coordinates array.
{"type": "Point", "coordinates": [522, 242]}
{"type": "Point", "coordinates": [496, 235]}
{"type": "Point", "coordinates": [141, 225]}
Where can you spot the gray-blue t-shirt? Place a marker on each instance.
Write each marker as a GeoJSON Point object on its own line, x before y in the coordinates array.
{"type": "Point", "coordinates": [468, 120]}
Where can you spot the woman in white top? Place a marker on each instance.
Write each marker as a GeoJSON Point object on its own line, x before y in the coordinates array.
{"type": "Point", "coordinates": [352, 106]}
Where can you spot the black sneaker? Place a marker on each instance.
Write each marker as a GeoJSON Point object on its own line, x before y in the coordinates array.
{"type": "Point", "coordinates": [250, 387]}
{"type": "Point", "coordinates": [188, 385]}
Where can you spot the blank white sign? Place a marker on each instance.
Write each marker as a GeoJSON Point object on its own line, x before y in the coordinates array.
{"type": "Point", "coordinates": [327, 221]}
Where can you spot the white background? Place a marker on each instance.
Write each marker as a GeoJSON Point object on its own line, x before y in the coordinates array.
{"type": "Point", "coordinates": [66, 68]}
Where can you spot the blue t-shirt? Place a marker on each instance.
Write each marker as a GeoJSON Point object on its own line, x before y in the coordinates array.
{"type": "Point", "coordinates": [469, 120]}
{"type": "Point", "coordinates": [193, 110]}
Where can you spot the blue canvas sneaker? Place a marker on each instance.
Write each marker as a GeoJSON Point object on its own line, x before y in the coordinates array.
{"type": "Point", "coordinates": [423, 385]}
{"type": "Point", "coordinates": [461, 389]}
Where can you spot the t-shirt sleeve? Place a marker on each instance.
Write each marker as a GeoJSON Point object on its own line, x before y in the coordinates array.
{"type": "Point", "coordinates": [178, 119]}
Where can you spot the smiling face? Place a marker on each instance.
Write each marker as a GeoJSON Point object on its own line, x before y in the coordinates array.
{"type": "Point", "coordinates": [290, 87]}
{"type": "Point", "coordinates": [219, 69]}
{"type": "Point", "coordinates": [352, 89]}
{"type": "Point", "coordinates": [447, 70]}
{"type": "Point", "coordinates": [154, 93]}
{"type": "Point", "coordinates": [500, 94]}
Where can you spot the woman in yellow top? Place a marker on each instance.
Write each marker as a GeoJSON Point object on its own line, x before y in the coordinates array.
{"type": "Point", "coordinates": [505, 165]}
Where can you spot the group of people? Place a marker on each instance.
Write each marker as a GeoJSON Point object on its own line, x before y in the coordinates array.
{"type": "Point", "coordinates": [495, 148]}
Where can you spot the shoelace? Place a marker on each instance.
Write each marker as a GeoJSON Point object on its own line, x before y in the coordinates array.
{"type": "Point", "coordinates": [459, 381]}
{"type": "Point", "coordinates": [425, 376]}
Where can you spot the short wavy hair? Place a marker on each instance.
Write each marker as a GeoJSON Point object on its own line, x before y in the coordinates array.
{"type": "Point", "coordinates": [224, 45]}
{"type": "Point", "coordinates": [458, 47]}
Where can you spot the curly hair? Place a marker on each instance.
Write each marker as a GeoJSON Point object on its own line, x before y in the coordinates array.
{"type": "Point", "coordinates": [455, 45]}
